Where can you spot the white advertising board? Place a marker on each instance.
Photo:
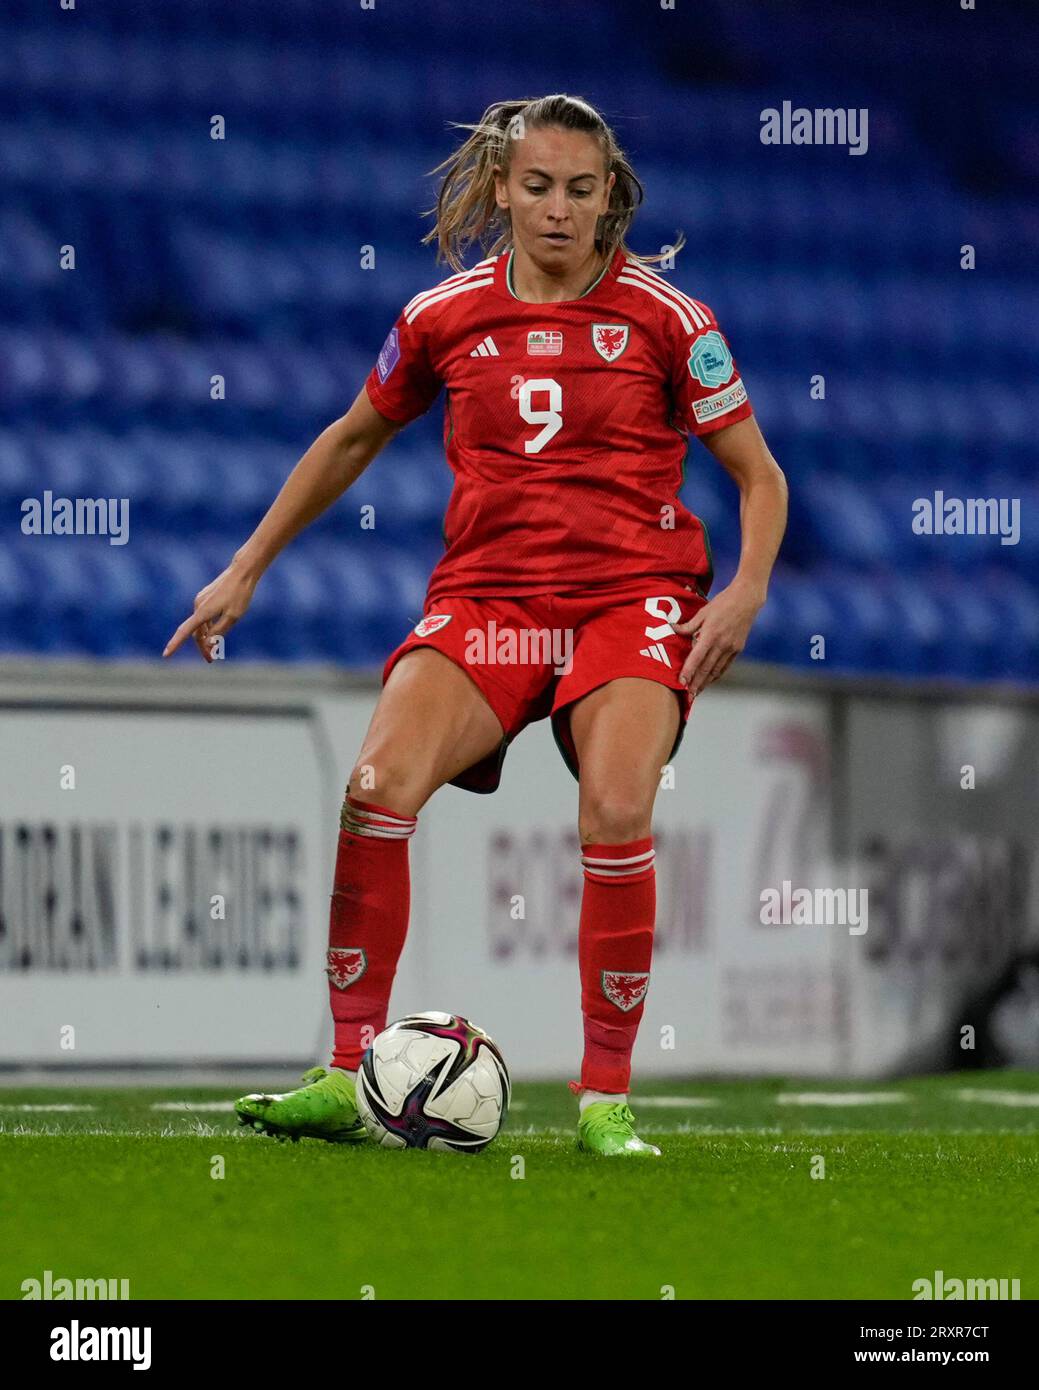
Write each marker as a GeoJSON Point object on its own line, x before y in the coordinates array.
{"type": "Point", "coordinates": [162, 874]}
{"type": "Point", "coordinates": [166, 853]}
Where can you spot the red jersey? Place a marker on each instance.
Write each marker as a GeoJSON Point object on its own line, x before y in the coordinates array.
{"type": "Point", "coordinates": [566, 426]}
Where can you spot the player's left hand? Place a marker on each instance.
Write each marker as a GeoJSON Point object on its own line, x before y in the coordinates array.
{"type": "Point", "coordinates": [719, 632]}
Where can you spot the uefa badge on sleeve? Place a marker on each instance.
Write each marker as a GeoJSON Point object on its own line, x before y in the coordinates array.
{"type": "Point", "coordinates": [710, 360]}
{"type": "Point", "coordinates": [389, 356]}
{"type": "Point", "coordinates": [610, 339]}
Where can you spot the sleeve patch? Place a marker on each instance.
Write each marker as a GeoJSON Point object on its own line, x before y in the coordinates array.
{"type": "Point", "coordinates": [388, 357]}
{"type": "Point", "coordinates": [720, 403]}
{"type": "Point", "coordinates": [710, 361]}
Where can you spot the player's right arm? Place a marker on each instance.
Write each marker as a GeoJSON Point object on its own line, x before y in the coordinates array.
{"type": "Point", "coordinates": [337, 458]}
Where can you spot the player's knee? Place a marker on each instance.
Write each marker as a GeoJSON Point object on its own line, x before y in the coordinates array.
{"type": "Point", "coordinates": [386, 781]}
{"type": "Point", "coordinates": [613, 820]}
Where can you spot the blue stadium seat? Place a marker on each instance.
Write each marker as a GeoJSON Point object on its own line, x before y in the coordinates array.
{"type": "Point", "coordinates": [242, 259]}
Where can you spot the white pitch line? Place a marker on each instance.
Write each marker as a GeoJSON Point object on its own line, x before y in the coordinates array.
{"type": "Point", "coordinates": [219, 1106]}
{"type": "Point", "coordinates": [24, 1132]}
{"type": "Point", "coordinates": [187, 1106]}
{"type": "Point", "coordinates": [999, 1097]}
{"type": "Point", "coordinates": [673, 1102]}
{"type": "Point", "coordinates": [708, 1132]}
{"type": "Point", "coordinates": [40, 1109]}
{"type": "Point", "coordinates": [839, 1098]}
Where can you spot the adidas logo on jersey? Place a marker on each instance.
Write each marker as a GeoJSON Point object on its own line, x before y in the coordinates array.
{"type": "Point", "coordinates": [657, 652]}
{"type": "Point", "coordinates": [485, 349]}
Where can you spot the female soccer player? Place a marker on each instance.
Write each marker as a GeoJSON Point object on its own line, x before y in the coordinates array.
{"type": "Point", "coordinates": [574, 375]}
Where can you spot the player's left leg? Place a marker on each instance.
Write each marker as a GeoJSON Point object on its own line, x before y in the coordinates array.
{"type": "Point", "coordinates": [623, 733]}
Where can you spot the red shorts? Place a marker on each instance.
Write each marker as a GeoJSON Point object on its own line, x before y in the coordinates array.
{"type": "Point", "coordinates": [534, 657]}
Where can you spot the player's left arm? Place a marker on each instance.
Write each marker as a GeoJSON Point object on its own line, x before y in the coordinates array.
{"type": "Point", "coordinates": [720, 629]}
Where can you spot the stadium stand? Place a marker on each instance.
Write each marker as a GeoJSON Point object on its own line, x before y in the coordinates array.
{"type": "Point", "coordinates": [243, 257]}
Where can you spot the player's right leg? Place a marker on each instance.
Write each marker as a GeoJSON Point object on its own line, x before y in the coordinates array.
{"type": "Point", "coordinates": [430, 724]}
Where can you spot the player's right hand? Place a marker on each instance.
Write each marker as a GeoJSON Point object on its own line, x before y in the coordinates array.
{"type": "Point", "coordinates": [217, 608]}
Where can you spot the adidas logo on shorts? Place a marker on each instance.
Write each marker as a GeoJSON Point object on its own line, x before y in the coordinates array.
{"type": "Point", "coordinates": [657, 653]}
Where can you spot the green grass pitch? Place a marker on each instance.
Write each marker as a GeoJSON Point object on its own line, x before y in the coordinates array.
{"type": "Point", "coordinates": [942, 1174]}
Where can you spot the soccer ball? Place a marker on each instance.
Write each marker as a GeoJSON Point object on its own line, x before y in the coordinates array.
{"type": "Point", "coordinates": [433, 1081]}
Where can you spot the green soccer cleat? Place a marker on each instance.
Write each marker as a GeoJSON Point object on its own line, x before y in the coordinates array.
{"type": "Point", "coordinates": [608, 1127]}
{"type": "Point", "coordinates": [325, 1107]}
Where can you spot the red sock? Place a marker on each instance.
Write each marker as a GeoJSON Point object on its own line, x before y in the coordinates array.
{"type": "Point", "coordinates": [371, 900]}
{"type": "Point", "coordinates": [615, 944]}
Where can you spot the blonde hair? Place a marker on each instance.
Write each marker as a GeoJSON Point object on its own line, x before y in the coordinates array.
{"type": "Point", "coordinates": [466, 212]}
